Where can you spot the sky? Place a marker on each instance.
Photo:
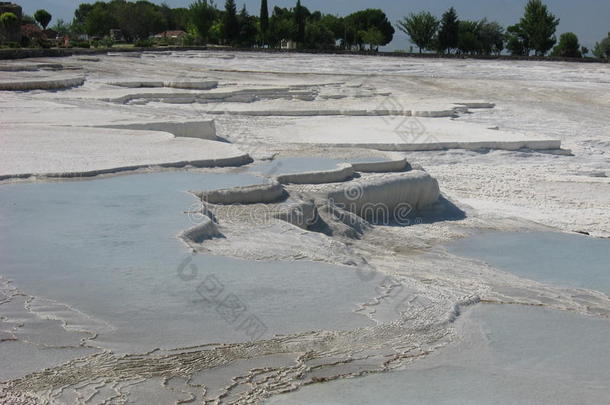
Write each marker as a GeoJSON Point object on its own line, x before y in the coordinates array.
{"type": "Point", "coordinates": [589, 19]}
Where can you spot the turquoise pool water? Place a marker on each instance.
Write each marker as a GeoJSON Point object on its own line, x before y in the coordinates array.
{"type": "Point", "coordinates": [509, 355]}
{"type": "Point", "coordinates": [109, 248]}
{"type": "Point", "coordinates": [552, 257]}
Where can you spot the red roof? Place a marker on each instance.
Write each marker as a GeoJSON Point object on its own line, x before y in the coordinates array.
{"type": "Point", "coordinates": [171, 34]}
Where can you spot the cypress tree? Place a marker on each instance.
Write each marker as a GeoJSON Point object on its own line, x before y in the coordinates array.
{"type": "Point", "coordinates": [539, 26]}
{"type": "Point", "coordinates": [231, 24]}
{"type": "Point", "coordinates": [299, 16]}
{"type": "Point", "coordinates": [448, 33]}
{"type": "Point", "coordinates": [264, 20]}
{"type": "Point", "coordinates": [264, 16]}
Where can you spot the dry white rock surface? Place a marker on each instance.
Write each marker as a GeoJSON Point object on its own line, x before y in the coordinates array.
{"type": "Point", "coordinates": [264, 104]}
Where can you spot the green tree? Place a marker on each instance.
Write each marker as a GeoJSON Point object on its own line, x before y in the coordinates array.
{"type": "Point", "coordinates": [491, 37]}
{"type": "Point", "coordinates": [421, 28]}
{"type": "Point", "coordinates": [230, 22]}
{"type": "Point", "coordinates": [138, 20]}
{"type": "Point", "coordinates": [99, 20]}
{"type": "Point", "coordinates": [81, 13]}
{"type": "Point", "coordinates": [538, 27]}
{"type": "Point", "coordinates": [281, 26]}
{"type": "Point", "coordinates": [372, 36]}
{"type": "Point", "coordinates": [247, 28]}
{"type": "Point", "coordinates": [568, 46]}
{"type": "Point", "coordinates": [61, 27]}
{"type": "Point", "coordinates": [201, 16]}
{"type": "Point", "coordinates": [216, 32]}
{"type": "Point", "coordinates": [362, 21]}
{"type": "Point", "coordinates": [9, 20]}
{"type": "Point", "coordinates": [318, 36]}
{"type": "Point", "coordinates": [180, 17]}
{"type": "Point", "coordinates": [168, 16]}
{"type": "Point", "coordinates": [334, 24]}
{"type": "Point", "coordinates": [300, 16]}
{"type": "Point", "coordinates": [517, 41]}
{"type": "Point", "coordinates": [28, 19]}
{"type": "Point", "coordinates": [468, 37]}
{"type": "Point", "coordinates": [9, 23]}
{"type": "Point", "coordinates": [264, 21]}
{"type": "Point", "coordinates": [43, 17]}
{"type": "Point", "coordinates": [449, 30]}
{"type": "Point", "coordinates": [602, 48]}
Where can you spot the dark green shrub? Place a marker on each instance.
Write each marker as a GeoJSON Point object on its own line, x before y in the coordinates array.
{"type": "Point", "coordinates": [143, 43]}
{"type": "Point", "coordinates": [163, 42]}
{"type": "Point", "coordinates": [568, 46]}
{"type": "Point", "coordinates": [188, 40]}
{"type": "Point", "coordinates": [107, 42]}
{"type": "Point", "coordinates": [9, 21]}
{"type": "Point", "coordinates": [81, 44]}
{"type": "Point", "coordinates": [40, 43]}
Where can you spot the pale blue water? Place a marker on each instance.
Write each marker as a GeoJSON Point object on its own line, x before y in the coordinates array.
{"type": "Point", "coordinates": [109, 248]}
{"type": "Point", "coordinates": [552, 257]}
{"type": "Point", "coordinates": [511, 355]}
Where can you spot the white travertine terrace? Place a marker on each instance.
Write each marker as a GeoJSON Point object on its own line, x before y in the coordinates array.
{"type": "Point", "coordinates": [392, 165]}
{"type": "Point", "coordinates": [65, 151]}
{"type": "Point", "coordinates": [343, 172]}
{"type": "Point", "coordinates": [399, 193]}
{"type": "Point", "coordinates": [204, 231]}
{"type": "Point", "coordinates": [408, 134]}
{"type": "Point", "coordinates": [255, 194]}
{"type": "Point", "coordinates": [42, 84]}
{"type": "Point", "coordinates": [220, 96]}
{"type": "Point", "coordinates": [30, 67]}
{"type": "Point", "coordinates": [189, 85]}
{"type": "Point", "coordinates": [415, 188]}
{"type": "Point", "coordinates": [186, 129]}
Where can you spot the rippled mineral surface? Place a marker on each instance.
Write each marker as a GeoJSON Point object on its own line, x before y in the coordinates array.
{"type": "Point", "coordinates": [235, 228]}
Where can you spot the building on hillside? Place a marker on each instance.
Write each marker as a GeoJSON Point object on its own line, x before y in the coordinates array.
{"type": "Point", "coordinates": [13, 34]}
{"type": "Point", "coordinates": [288, 44]}
{"type": "Point", "coordinates": [117, 35]}
{"type": "Point", "coordinates": [170, 34]}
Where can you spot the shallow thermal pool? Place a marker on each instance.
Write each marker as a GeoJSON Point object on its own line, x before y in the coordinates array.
{"type": "Point", "coordinates": [552, 257]}
{"type": "Point", "coordinates": [508, 355]}
{"type": "Point", "coordinates": [109, 249]}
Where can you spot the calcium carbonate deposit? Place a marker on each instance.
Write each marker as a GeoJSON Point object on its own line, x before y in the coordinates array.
{"type": "Point", "coordinates": [215, 228]}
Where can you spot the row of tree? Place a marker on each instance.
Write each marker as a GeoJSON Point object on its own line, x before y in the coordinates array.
{"type": "Point", "coordinates": [204, 21]}
{"type": "Point", "coordinates": [136, 20]}
{"type": "Point", "coordinates": [534, 33]}
{"type": "Point", "coordinates": [10, 20]}
{"type": "Point", "coordinates": [450, 34]}
{"type": "Point", "coordinates": [311, 30]}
